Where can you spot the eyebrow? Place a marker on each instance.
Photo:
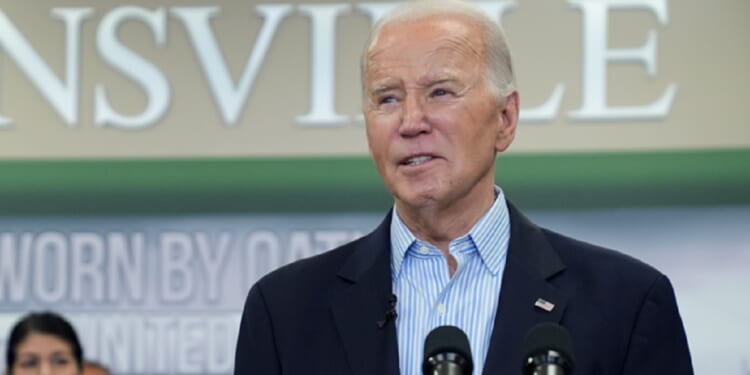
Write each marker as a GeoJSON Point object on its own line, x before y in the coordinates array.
{"type": "Point", "coordinates": [382, 89]}
{"type": "Point", "coordinates": [432, 81]}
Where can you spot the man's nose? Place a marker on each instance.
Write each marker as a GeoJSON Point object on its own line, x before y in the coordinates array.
{"type": "Point", "coordinates": [414, 119]}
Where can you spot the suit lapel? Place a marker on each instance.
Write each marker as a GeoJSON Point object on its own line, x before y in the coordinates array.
{"type": "Point", "coordinates": [531, 262]}
{"type": "Point", "coordinates": [363, 302]}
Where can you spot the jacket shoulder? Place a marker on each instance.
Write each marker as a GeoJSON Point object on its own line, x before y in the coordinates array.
{"type": "Point", "coordinates": [597, 261]}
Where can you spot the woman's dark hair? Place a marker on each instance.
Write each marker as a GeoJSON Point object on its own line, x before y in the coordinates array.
{"type": "Point", "coordinates": [47, 323]}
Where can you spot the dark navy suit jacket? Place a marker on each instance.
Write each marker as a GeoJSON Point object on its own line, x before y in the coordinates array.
{"type": "Point", "coordinates": [319, 315]}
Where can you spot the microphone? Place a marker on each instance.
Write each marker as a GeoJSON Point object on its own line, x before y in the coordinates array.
{"type": "Point", "coordinates": [548, 350]}
{"type": "Point", "coordinates": [390, 314]}
{"type": "Point", "coordinates": [447, 352]}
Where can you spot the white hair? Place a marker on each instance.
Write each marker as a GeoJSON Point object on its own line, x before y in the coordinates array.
{"type": "Point", "coordinates": [497, 52]}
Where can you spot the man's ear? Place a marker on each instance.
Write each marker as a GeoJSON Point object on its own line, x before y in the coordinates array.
{"type": "Point", "coordinates": [509, 109]}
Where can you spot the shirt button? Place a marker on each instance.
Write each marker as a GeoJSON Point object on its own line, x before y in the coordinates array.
{"type": "Point", "coordinates": [441, 309]}
{"type": "Point", "coordinates": [424, 250]}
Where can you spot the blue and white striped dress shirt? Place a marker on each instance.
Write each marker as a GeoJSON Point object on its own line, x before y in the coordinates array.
{"type": "Point", "coordinates": [428, 297]}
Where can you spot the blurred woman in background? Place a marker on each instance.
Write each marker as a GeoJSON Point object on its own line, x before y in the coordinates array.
{"type": "Point", "coordinates": [43, 343]}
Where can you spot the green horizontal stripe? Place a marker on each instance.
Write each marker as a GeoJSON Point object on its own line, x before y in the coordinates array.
{"type": "Point", "coordinates": [182, 186]}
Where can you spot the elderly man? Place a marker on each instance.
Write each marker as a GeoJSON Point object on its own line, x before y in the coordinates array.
{"type": "Point", "coordinates": [439, 104]}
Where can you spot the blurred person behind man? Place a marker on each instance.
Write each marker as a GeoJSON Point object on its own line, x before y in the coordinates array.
{"type": "Point", "coordinates": [43, 343]}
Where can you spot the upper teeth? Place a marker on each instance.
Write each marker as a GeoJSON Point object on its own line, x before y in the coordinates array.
{"type": "Point", "coordinates": [418, 160]}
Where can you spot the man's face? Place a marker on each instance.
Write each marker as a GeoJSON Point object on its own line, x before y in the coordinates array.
{"type": "Point", "coordinates": [433, 123]}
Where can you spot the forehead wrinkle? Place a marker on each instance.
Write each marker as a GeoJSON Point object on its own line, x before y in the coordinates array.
{"type": "Point", "coordinates": [452, 68]}
{"type": "Point", "coordinates": [460, 44]}
{"type": "Point", "coordinates": [451, 42]}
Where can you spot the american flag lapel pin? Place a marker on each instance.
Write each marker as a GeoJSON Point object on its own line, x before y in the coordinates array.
{"type": "Point", "coordinates": [544, 304]}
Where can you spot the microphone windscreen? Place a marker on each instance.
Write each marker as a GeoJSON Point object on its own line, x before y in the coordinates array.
{"type": "Point", "coordinates": [448, 339]}
{"type": "Point", "coordinates": [548, 336]}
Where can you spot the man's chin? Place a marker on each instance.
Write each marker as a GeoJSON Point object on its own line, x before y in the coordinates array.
{"type": "Point", "coordinates": [415, 200]}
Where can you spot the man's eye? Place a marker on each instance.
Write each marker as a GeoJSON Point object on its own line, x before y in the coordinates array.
{"type": "Point", "coordinates": [439, 92]}
{"type": "Point", "coordinates": [387, 100]}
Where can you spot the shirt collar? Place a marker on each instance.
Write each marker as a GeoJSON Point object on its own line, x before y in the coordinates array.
{"type": "Point", "coordinates": [490, 235]}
